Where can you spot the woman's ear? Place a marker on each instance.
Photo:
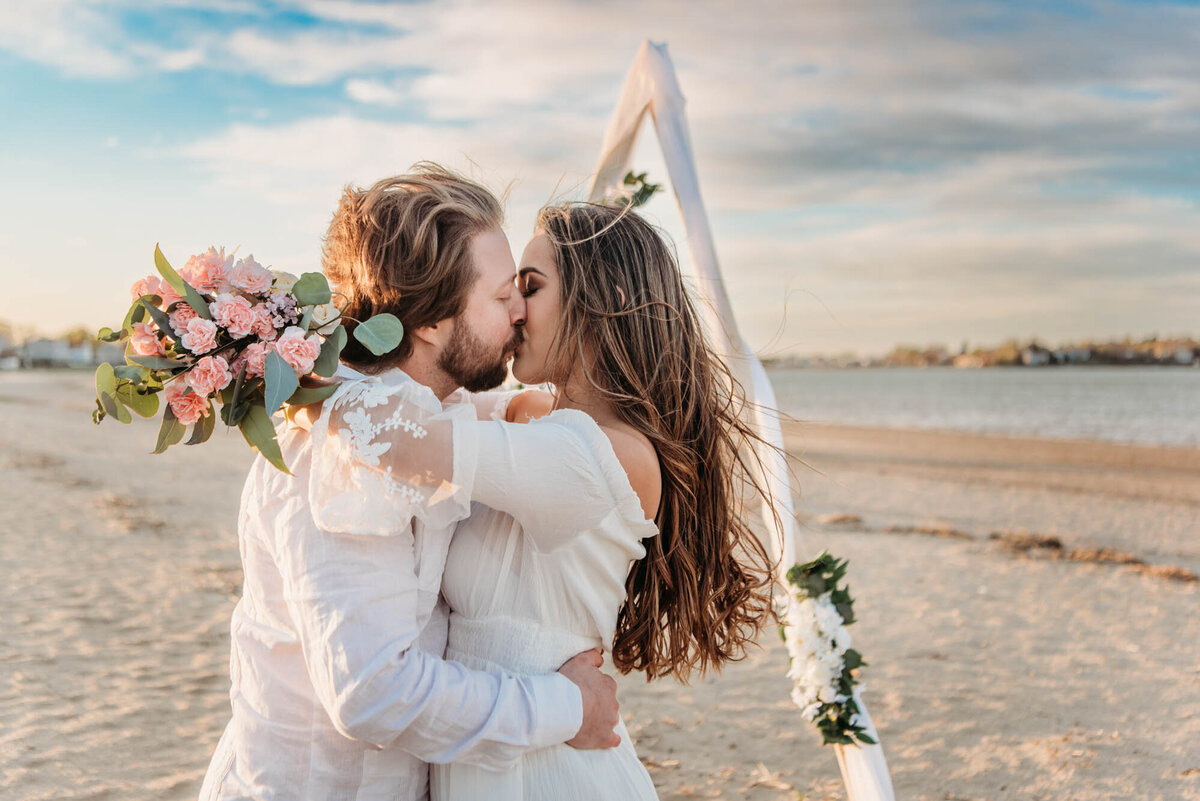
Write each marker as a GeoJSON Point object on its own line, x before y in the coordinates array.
{"type": "Point", "coordinates": [621, 294]}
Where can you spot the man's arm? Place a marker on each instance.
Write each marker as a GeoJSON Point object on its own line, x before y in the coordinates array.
{"type": "Point", "coordinates": [353, 601]}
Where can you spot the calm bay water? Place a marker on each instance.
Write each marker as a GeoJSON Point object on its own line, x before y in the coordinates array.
{"type": "Point", "coordinates": [1153, 405]}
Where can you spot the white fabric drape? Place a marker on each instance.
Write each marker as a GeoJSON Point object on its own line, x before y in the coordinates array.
{"type": "Point", "coordinates": [652, 87]}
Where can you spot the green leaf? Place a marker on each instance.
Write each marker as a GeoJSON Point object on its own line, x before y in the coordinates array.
{"type": "Point", "coordinates": [232, 395]}
{"type": "Point", "coordinates": [143, 405]}
{"type": "Point", "coordinates": [160, 318]}
{"type": "Point", "coordinates": [136, 313]}
{"type": "Point", "coordinates": [281, 381]}
{"type": "Point", "coordinates": [380, 334]}
{"type": "Point", "coordinates": [232, 413]}
{"type": "Point", "coordinates": [170, 432]}
{"type": "Point", "coordinates": [306, 320]}
{"type": "Point", "coordinates": [331, 349]}
{"type": "Point", "coordinates": [106, 393]}
{"type": "Point", "coordinates": [106, 380]}
{"type": "Point", "coordinates": [131, 372]}
{"type": "Point", "coordinates": [177, 283]}
{"type": "Point", "coordinates": [156, 362]}
{"type": "Point", "coordinates": [203, 428]}
{"type": "Point", "coordinates": [106, 334]}
{"type": "Point", "coordinates": [306, 395]}
{"type": "Point", "coordinates": [259, 431]}
{"type": "Point", "coordinates": [312, 290]}
{"type": "Point", "coordinates": [852, 658]}
{"type": "Point", "coordinates": [865, 738]}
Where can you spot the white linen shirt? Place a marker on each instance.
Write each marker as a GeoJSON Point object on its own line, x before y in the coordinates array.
{"type": "Point", "coordinates": [338, 686]}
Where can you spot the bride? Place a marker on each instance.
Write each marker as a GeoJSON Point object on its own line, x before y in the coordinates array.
{"type": "Point", "coordinates": [626, 529]}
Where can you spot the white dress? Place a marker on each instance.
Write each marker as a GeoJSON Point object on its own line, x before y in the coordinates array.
{"type": "Point", "coordinates": [529, 590]}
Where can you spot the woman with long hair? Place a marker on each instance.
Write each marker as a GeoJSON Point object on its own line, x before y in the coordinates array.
{"type": "Point", "coordinates": [643, 424]}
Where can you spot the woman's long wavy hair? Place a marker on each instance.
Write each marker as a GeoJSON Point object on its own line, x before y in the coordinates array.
{"type": "Point", "coordinates": [704, 590]}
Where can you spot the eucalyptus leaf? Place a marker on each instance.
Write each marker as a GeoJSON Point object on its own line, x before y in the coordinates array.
{"type": "Point", "coordinates": [119, 411]}
{"type": "Point", "coordinates": [306, 395]}
{"type": "Point", "coordinates": [160, 318]}
{"type": "Point", "coordinates": [177, 283]}
{"type": "Point", "coordinates": [306, 320]}
{"type": "Point", "coordinates": [381, 334]}
{"type": "Point", "coordinates": [106, 334]}
{"type": "Point", "coordinates": [203, 428]}
{"type": "Point", "coordinates": [259, 431]}
{"type": "Point", "coordinates": [106, 379]}
{"type": "Point", "coordinates": [170, 432]}
{"type": "Point", "coordinates": [331, 349]}
{"type": "Point", "coordinates": [234, 395]}
{"type": "Point", "coordinates": [232, 413]}
{"type": "Point", "coordinates": [312, 289]}
{"type": "Point", "coordinates": [143, 405]}
{"type": "Point", "coordinates": [281, 381]}
{"type": "Point", "coordinates": [156, 362]}
{"type": "Point", "coordinates": [131, 372]}
{"type": "Point", "coordinates": [136, 313]}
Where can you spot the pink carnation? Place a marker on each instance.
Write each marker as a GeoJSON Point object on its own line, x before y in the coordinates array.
{"type": "Point", "coordinates": [250, 276]}
{"type": "Point", "coordinates": [153, 285]}
{"type": "Point", "coordinates": [234, 313]}
{"type": "Point", "coordinates": [264, 324]}
{"type": "Point", "coordinates": [209, 375]}
{"type": "Point", "coordinates": [150, 285]}
{"type": "Point", "coordinates": [145, 341]}
{"type": "Point", "coordinates": [207, 271]}
{"type": "Point", "coordinates": [180, 318]}
{"type": "Point", "coordinates": [297, 350]}
{"type": "Point", "coordinates": [187, 407]}
{"type": "Point", "coordinates": [201, 336]}
{"type": "Point", "coordinates": [254, 357]}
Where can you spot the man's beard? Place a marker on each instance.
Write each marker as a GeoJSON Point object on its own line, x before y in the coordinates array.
{"type": "Point", "coordinates": [470, 362]}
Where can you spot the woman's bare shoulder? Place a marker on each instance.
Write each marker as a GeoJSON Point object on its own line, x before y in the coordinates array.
{"type": "Point", "coordinates": [636, 454]}
{"type": "Point", "coordinates": [529, 405]}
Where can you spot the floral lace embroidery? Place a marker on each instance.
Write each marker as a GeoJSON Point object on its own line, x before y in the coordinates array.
{"type": "Point", "coordinates": [362, 431]}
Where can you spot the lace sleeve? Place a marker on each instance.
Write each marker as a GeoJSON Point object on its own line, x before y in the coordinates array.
{"type": "Point", "coordinates": [385, 454]}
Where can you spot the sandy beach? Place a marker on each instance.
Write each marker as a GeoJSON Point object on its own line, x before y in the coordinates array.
{"type": "Point", "coordinates": [1029, 610]}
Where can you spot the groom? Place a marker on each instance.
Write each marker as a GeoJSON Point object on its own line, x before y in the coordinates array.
{"type": "Point", "coordinates": [338, 686]}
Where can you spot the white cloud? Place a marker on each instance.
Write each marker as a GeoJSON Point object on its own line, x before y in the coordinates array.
{"type": "Point", "coordinates": [899, 162]}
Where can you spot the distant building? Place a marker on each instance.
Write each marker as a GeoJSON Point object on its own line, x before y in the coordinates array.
{"type": "Point", "coordinates": [61, 353]}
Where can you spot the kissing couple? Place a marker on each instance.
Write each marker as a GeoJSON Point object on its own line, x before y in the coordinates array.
{"type": "Point", "coordinates": [430, 594]}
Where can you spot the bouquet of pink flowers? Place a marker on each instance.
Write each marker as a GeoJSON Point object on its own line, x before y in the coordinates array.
{"type": "Point", "coordinates": [233, 335]}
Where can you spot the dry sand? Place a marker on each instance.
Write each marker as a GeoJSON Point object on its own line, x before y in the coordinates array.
{"type": "Point", "coordinates": [998, 670]}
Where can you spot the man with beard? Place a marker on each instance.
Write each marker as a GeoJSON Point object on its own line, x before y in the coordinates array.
{"type": "Point", "coordinates": [338, 686]}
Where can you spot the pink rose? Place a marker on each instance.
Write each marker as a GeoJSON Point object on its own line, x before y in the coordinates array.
{"type": "Point", "coordinates": [145, 341]}
{"type": "Point", "coordinates": [207, 271]}
{"type": "Point", "coordinates": [264, 325]}
{"type": "Point", "coordinates": [250, 276]}
{"type": "Point", "coordinates": [180, 318]}
{"type": "Point", "coordinates": [234, 313]}
{"type": "Point", "coordinates": [201, 336]}
{"type": "Point", "coordinates": [188, 407]}
{"type": "Point", "coordinates": [297, 350]}
{"type": "Point", "coordinates": [208, 375]}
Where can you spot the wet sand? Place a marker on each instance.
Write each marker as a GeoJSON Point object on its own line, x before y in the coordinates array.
{"type": "Point", "coordinates": [1001, 667]}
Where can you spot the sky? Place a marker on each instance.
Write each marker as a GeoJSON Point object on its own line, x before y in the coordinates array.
{"type": "Point", "coordinates": [876, 173]}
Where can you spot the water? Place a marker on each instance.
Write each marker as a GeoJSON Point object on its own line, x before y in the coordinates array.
{"type": "Point", "coordinates": [1152, 405]}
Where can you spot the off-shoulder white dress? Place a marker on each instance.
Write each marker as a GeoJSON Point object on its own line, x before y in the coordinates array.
{"type": "Point", "coordinates": [527, 591]}
{"type": "Point", "coordinates": [535, 575]}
